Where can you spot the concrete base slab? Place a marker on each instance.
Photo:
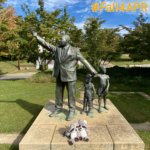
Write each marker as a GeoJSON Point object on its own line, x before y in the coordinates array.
{"type": "Point", "coordinates": [99, 139]}
{"type": "Point", "coordinates": [109, 130]}
{"type": "Point", "coordinates": [125, 138]}
{"type": "Point", "coordinates": [37, 138]}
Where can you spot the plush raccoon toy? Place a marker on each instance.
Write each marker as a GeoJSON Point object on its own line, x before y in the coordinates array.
{"type": "Point", "coordinates": [83, 130]}
{"type": "Point", "coordinates": [72, 133]}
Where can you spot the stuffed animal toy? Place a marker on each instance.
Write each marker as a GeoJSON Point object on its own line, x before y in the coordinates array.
{"type": "Point", "coordinates": [83, 130]}
{"type": "Point", "coordinates": [72, 133]}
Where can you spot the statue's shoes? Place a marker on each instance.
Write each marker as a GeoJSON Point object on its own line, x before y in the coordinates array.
{"type": "Point", "coordinates": [90, 113]}
{"type": "Point", "coordinates": [82, 112]}
{"type": "Point", "coordinates": [71, 115]}
{"type": "Point", "coordinates": [106, 108]}
{"type": "Point", "coordinates": [57, 111]}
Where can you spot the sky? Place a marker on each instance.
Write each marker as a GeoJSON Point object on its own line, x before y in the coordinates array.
{"type": "Point", "coordinates": [81, 9]}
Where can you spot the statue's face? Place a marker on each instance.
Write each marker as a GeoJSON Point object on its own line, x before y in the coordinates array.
{"type": "Point", "coordinates": [87, 79]}
{"type": "Point", "coordinates": [103, 69]}
{"type": "Point", "coordinates": [62, 41]}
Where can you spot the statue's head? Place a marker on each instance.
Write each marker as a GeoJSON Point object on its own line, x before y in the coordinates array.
{"type": "Point", "coordinates": [88, 78]}
{"type": "Point", "coordinates": [102, 68]}
{"type": "Point", "coordinates": [64, 40]}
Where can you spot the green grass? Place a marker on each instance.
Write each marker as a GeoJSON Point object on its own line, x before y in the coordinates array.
{"type": "Point", "coordinates": [42, 77]}
{"type": "Point", "coordinates": [128, 88]}
{"type": "Point", "coordinates": [8, 67]}
{"type": "Point", "coordinates": [134, 107]}
{"type": "Point", "coordinates": [9, 147]}
{"type": "Point", "coordinates": [145, 136]}
{"type": "Point", "coordinates": [21, 102]}
{"type": "Point", "coordinates": [125, 60]}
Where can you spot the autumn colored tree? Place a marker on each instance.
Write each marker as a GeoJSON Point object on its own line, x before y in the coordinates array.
{"type": "Point", "coordinates": [137, 42]}
{"type": "Point", "coordinates": [7, 28]}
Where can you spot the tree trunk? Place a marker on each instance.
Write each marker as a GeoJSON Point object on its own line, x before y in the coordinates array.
{"type": "Point", "coordinates": [18, 64]}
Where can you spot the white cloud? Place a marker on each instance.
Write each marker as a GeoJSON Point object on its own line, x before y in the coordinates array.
{"type": "Point", "coordinates": [80, 25]}
{"type": "Point", "coordinates": [82, 10]}
{"type": "Point", "coordinates": [16, 2]}
{"type": "Point", "coordinates": [88, 1]}
{"type": "Point", "coordinates": [48, 4]}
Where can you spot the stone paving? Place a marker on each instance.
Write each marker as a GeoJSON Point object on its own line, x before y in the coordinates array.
{"type": "Point", "coordinates": [16, 138]}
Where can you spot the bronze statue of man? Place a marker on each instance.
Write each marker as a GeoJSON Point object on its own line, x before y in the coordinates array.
{"type": "Point", "coordinates": [64, 70]}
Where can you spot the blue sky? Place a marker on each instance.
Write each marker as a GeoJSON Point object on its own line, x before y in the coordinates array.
{"type": "Point", "coordinates": [81, 9]}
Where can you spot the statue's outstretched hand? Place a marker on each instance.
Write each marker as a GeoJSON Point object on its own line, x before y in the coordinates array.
{"type": "Point", "coordinates": [33, 32]}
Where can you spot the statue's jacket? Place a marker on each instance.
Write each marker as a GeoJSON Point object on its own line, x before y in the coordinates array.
{"type": "Point", "coordinates": [66, 66]}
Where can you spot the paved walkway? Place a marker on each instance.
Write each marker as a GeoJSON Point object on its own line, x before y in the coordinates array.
{"type": "Point", "coordinates": [16, 138]}
{"type": "Point", "coordinates": [16, 76]}
{"type": "Point", "coordinates": [143, 66]}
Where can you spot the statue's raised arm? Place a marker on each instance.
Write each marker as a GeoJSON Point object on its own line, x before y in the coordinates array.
{"type": "Point", "coordinates": [86, 63]}
{"type": "Point", "coordinates": [42, 42]}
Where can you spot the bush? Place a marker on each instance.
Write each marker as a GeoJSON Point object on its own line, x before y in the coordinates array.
{"type": "Point", "coordinates": [1, 59]}
{"type": "Point", "coordinates": [42, 77]}
{"type": "Point", "coordinates": [135, 76]}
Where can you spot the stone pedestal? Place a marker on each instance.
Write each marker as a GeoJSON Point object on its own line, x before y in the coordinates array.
{"type": "Point", "coordinates": [109, 130]}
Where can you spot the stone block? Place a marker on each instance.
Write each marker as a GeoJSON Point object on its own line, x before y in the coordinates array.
{"type": "Point", "coordinates": [125, 138]}
{"type": "Point", "coordinates": [37, 138]}
{"type": "Point", "coordinates": [99, 139]}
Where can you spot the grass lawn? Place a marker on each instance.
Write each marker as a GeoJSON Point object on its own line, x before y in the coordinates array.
{"type": "Point", "coordinates": [21, 102]}
{"type": "Point", "coordinates": [128, 88]}
{"type": "Point", "coordinates": [145, 136]}
{"type": "Point", "coordinates": [134, 107]}
{"type": "Point", "coordinates": [8, 67]}
{"type": "Point", "coordinates": [125, 60]}
{"type": "Point", "coordinates": [9, 147]}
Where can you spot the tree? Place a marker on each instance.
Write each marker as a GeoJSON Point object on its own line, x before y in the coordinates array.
{"type": "Point", "coordinates": [48, 26]}
{"type": "Point", "coordinates": [137, 43]}
{"type": "Point", "coordinates": [99, 44]}
{"type": "Point", "coordinates": [7, 28]}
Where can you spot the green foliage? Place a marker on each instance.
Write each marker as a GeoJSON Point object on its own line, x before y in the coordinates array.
{"type": "Point", "coordinates": [1, 59]}
{"type": "Point", "coordinates": [99, 44]}
{"type": "Point", "coordinates": [8, 30]}
{"type": "Point", "coordinates": [77, 66]}
{"type": "Point", "coordinates": [137, 43]}
{"type": "Point", "coordinates": [136, 76]}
